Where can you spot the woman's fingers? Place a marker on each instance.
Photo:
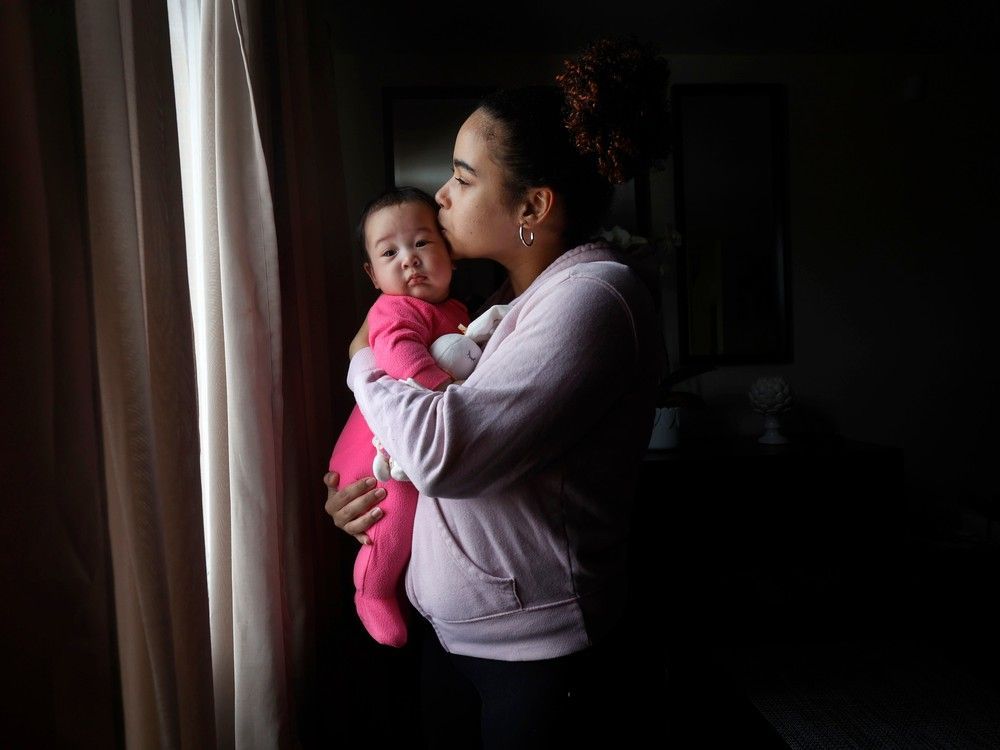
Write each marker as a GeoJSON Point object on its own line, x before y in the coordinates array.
{"type": "Point", "coordinates": [351, 507]}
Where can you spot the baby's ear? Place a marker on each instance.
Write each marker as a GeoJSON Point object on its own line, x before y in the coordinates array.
{"type": "Point", "coordinates": [368, 270]}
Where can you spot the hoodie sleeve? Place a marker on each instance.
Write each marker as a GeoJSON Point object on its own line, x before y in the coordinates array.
{"type": "Point", "coordinates": [571, 358]}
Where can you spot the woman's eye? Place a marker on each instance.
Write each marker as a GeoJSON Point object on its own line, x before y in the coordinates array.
{"type": "Point", "coordinates": [460, 181]}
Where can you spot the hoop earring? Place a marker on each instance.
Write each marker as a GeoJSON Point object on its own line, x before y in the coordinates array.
{"type": "Point", "coordinates": [531, 236]}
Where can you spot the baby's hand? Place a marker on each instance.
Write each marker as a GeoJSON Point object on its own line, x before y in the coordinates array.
{"type": "Point", "coordinates": [360, 340]}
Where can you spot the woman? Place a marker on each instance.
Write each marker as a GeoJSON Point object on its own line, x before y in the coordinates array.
{"type": "Point", "coordinates": [526, 472]}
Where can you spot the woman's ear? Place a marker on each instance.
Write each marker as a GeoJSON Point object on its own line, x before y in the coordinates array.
{"type": "Point", "coordinates": [538, 206]}
{"type": "Point", "coordinates": [368, 270]}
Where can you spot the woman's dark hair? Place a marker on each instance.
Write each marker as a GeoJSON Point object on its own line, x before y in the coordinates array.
{"type": "Point", "coordinates": [395, 196]}
{"type": "Point", "coordinates": [605, 120]}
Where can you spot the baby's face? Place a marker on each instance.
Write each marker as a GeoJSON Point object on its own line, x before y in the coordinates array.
{"type": "Point", "coordinates": [407, 254]}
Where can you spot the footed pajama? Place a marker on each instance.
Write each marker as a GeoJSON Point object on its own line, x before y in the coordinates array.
{"type": "Point", "coordinates": [401, 330]}
{"type": "Point", "coordinates": [379, 567]}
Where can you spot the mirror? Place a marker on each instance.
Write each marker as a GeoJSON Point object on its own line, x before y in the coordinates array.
{"type": "Point", "coordinates": [730, 200]}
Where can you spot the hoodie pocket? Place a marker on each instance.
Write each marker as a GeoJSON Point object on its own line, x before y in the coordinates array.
{"type": "Point", "coordinates": [449, 586]}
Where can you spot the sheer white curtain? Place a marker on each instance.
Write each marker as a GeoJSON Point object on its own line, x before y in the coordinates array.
{"type": "Point", "coordinates": [235, 291]}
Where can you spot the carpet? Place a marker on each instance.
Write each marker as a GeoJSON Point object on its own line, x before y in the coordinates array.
{"type": "Point", "coordinates": [905, 695]}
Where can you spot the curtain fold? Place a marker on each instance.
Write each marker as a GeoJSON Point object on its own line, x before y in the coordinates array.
{"type": "Point", "coordinates": [260, 327]}
{"type": "Point", "coordinates": [319, 318]}
{"type": "Point", "coordinates": [244, 399]}
{"type": "Point", "coordinates": [60, 671]}
{"type": "Point", "coordinates": [146, 371]}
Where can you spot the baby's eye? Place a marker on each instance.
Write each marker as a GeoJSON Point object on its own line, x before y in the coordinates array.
{"type": "Point", "coordinates": [421, 243]}
{"type": "Point", "coordinates": [388, 252]}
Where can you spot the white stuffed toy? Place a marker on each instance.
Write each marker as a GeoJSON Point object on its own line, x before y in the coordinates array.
{"type": "Point", "coordinates": [456, 354]}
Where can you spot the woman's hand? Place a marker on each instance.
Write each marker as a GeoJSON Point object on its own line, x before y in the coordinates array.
{"type": "Point", "coordinates": [360, 340]}
{"type": "Point", "coordinates": [349, 507]}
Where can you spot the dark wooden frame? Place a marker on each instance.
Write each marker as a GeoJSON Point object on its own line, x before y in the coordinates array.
{"type": "Point", "coordinates": [778, 118]}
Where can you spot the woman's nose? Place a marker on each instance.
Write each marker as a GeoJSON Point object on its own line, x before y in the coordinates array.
{"type": "Point", "coordinates": [441, 194]}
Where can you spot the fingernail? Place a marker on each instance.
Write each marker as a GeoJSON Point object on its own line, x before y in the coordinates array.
{"type": "Point", "coordinates": [377, 513]}
{"type": "Point", "coordinates": [380, 492]}
{"type": "Point", "coordinates": [369, 482]}
{"type": "Point", "coordinates": [365, 540]}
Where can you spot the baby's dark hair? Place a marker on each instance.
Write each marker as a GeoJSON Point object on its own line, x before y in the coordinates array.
{"type": "Point", "coordinates": [395, 196]}
{"type": "Point", "coordinates": [606, 119]}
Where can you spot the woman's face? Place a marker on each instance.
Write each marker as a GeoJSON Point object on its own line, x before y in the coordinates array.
{"type": "Point", "coordinates": [476, 221]}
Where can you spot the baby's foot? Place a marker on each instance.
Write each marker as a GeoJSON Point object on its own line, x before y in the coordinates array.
{"type": "Point", "coordinates": [380, 468]}
{"type": "Point", "coordinates": [383, 619]}
{"type": "Point", "coordinates": [380, 464]}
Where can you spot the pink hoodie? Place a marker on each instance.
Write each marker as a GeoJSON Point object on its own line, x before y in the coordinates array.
{"type": "Point", "coordinates": [527, 471]}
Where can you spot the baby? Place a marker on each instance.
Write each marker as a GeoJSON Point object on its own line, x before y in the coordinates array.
{"type": "Point", "coordinates": [406, 259]}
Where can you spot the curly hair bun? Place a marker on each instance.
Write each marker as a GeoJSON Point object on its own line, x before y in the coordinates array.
{"type": "Point", "coordinates": [616, 105]}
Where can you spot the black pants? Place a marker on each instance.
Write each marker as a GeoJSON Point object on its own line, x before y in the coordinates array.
{"type": "Point", "coordinates": [581, 699]}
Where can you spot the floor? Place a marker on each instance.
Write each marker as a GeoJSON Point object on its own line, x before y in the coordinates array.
{"type": "Point", "coordinates": [896, 645]}
{"type": "Point", "coordinates": [879, 693]}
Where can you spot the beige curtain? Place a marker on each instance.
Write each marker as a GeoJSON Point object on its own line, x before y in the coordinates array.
{"type": "Point", "coordinates": [171, 585]}
{"type": "Point", "coordinates": [57, 643]}
{"type": "Point", "coordinates": [147, 380]}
